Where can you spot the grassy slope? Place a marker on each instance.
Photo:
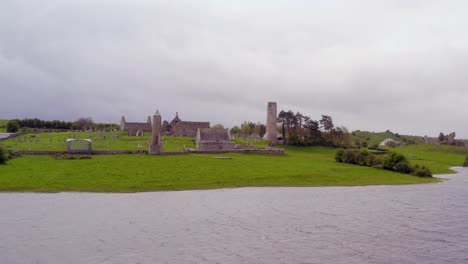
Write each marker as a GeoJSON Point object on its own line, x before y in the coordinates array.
{"type": "Point", "coordinates": [439, 158]}
{"type": "Point", "coordinates": [3, 123]}
{"type": "Point", "coordinates": [377, 137]}
{"type": "Point", "coordinates": [128, 173]}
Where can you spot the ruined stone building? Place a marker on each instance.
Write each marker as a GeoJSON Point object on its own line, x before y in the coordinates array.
{"type": "Point", "coordinates": [214, 139]}
{"type": "Point", "coordinates": [135, 128]}
{"type": "Point", "coordinates": [180, 128]}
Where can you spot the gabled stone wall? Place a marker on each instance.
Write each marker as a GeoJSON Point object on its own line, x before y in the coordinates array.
{"type": "Point", "coordinates": [187, 129]}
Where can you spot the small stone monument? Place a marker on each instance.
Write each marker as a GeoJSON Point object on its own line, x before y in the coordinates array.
{"type": "Point", "coordinates": [156, 140]}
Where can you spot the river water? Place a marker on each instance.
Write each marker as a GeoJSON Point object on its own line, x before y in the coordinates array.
{"type": "Point", "coordinates": [376, 224]}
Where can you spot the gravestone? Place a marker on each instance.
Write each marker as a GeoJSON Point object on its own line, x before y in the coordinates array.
{"type": "Point", "coordinates": [79, 145]}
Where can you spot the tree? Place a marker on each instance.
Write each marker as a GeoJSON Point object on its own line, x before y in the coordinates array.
{"type": "Point", "coordinates": [235, 130]}
{"type": "Point", "coordinates": [218, 126]}
{"type": "Point", "coordinates": [313, 128]}
{"type": "Point", "coordinates": [327, 123]}
{"type": "Point", "coordinates": [441, 137]}
{"type": "Point", "coordinates": [12, 126]}
{"type": "Point", "coordinates": [83, 123]}
{"type": "Point", "coordinates": [282, 120]}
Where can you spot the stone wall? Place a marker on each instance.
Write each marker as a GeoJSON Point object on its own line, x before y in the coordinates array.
{"type": "Point", "coordinates": [188, 129]}
{"type": "Point", "coordinates": [216, 145]}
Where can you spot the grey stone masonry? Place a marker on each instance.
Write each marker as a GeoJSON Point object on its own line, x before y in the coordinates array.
{"type": "Point", "coordinates": [271, 128]}
{"type": "Point", "coordinates": [156, 139]}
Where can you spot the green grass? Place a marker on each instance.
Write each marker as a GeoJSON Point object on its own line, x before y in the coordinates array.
{"type": "Point", "coordinates": [312, 166]}
{"type": "Point", "coordinates": [255, 143]}
{"type": "Point", "coordinates": [377, 137]}
{"type": "Point", "coordinates": [439, 158]}
{"type": "Point", "coordinates": [108, 141]}
{"type": "Point", "coordinates": [3, 123]}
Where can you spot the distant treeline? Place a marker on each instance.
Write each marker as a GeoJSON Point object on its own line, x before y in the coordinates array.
{"type": "Point", "coordinates": [83, 123]}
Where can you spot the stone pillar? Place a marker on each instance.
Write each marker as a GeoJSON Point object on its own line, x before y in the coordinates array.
{"type": "Point", "coordinates": [122, 123]}
{"type": "Point", "coordinates": [271, 128]}
{"type": "Point", "coordinates": [156, 140]}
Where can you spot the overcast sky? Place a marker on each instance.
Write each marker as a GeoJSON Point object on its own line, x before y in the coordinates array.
{"type": "Point", "coordinates": [372, 65]}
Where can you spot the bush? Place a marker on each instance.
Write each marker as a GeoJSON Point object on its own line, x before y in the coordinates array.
{"type": "Point", "coordinates": [3, 156]}
{"type": "Point", "coordinates": [12, 126]}
{"type": "Point", "coordinates": [402, 167]}
{"type": "Point", "coordinates": [339, 155]}
{"type": "Point", "coordinates": [465, 164]}
{"type": "Point", "coordinates": [362, 157]}
{"type": "Point", "coordinates": [421, 172]}
{"type": "Point", "coordinates": [349, 156]}
{"type": "Point", "coordinates": [392, 159]}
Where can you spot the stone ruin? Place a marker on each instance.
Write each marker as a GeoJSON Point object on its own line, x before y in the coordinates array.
{"type": "Point", "coordinates": [214, 139]}
{"type": "Point", "coordinates": [176, 127]}
{"type": "Point", "coordinates": [271, 126]}
{"type": "Point", "coordinates": [135, 128]}
{"type": "Point", "coordinates": [156, 137]}
{"type": "Point", "coordinates": [179, 128]}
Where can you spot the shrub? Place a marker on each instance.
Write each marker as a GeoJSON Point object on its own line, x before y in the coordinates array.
{"type": "Point", "coordinates": [349, 156]}
{"type": "Point", "coordinates": [12, 126]}
{"type": "Point", "coordinates": [393, 159]}
{"type": "Point", "coordinates": [339, 155]}
{"type": "Point", "coordinates": [421, 171]}
{"type": "Point", "coordinates": [362, 157]}
{"type": "Point", "coordinates": [3, 156]}
{"type": "Point", "coordinates": [402, 167]}
{"type": "Point", "coordinates": [376, 161]}
{"type": "Point", "coordinates": [465, 164]}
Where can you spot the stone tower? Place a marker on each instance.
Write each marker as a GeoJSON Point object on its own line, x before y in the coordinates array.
{"type": "Point", "coordinates": [122, 123]}
{"type": "Point", "coordinates": [271, 128]}
{"type": "Point", "coordinates": [156, 140]}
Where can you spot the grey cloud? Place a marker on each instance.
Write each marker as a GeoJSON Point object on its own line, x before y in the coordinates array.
{"type": "Point", "coordinates": [373, 65]}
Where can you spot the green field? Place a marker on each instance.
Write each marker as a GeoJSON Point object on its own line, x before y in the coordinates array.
{"type": "Point", "coordinates": [439, 158]}
{"type": "Point", "coordinates": [377, 137]}
{"type": "Point", "coordinates": [301, 166]}
{"type": "Point", "coordinates": [311, 166]}
{"type": "Point", "coordinates": [3, 123]}
{"type": "Point", "coordinates": [106, 141]}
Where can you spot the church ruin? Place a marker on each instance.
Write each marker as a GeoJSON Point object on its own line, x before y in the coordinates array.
{"type": "Point", "coordinates": [135, 128]}
{"type": "Point", "coordinates": [214, 139]}
{"type": "Point", "coordinates": [179, 128]}
{"type": "Point", "coordinates": [176, 127]}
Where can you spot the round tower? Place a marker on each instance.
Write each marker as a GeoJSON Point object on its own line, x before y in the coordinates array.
{"type": "Point", "coordinates": [271, 128]}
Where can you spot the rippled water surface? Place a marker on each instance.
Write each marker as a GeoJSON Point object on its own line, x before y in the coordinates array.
{"type": "Point", "coordinates": [376, 224]}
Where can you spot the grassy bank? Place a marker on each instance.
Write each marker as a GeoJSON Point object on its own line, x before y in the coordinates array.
{"type": "Point", "coordinates": [313, 166]}
{"type": "Point", "coordinates": [439, 158]}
